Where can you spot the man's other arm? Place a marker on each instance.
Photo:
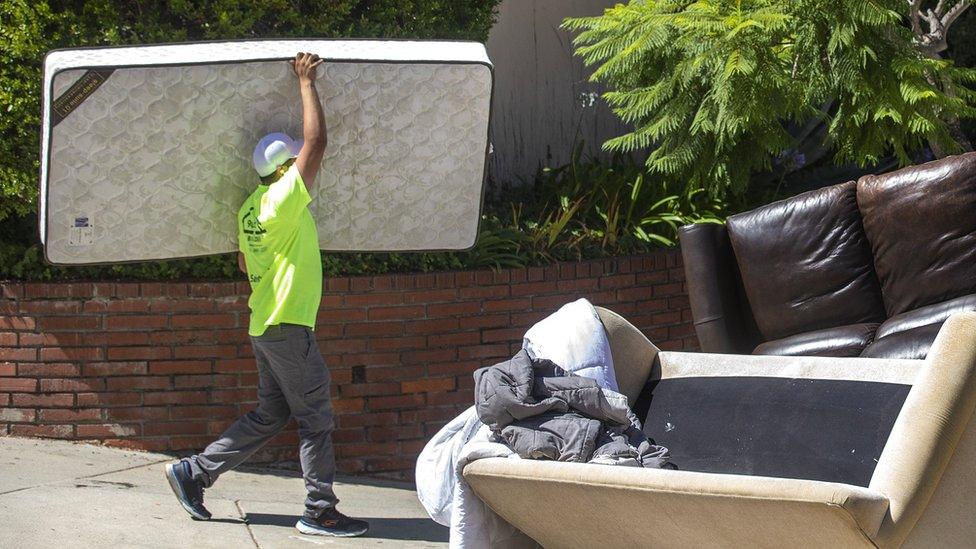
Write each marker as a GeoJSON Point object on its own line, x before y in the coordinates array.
{"type": "Point", "coordinates": [313, 119]}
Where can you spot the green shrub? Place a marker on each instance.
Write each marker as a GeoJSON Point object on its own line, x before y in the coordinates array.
{"type": "Point", "coordinates": [713, 87]}
{"type": "Point", "coordinates": [607, 207]}
{"type": "Point", "coordinates": [28, 29]}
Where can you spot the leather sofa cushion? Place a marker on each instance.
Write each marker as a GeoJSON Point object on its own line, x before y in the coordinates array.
{"type": "Point", "coordinates": [839, 341]}
{"type": "Point", "coordinates": [911, 344]}
{"type": "Point", "coordinates": [924, 316]}
{"type": "Point", "coordinates": [921, 223]}
{"type": "Point", "coordinates": [806, 263]}
{"type": "Point", "coordinates": [910, 334]}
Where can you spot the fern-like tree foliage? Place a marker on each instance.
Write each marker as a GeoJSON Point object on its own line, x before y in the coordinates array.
{"type": "Point", "coordinates": [713, 87]}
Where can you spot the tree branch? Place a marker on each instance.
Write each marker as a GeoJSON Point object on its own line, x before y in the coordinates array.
{"type": "Point", "coordinates": [914, 6]}
{"type": "Point", "coordinates": [950, 17]}
{"type": "Point", "coordinates": [934, 40]}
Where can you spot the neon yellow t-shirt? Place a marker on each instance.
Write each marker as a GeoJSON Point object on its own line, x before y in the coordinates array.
{"type": "Point", "coordinates": [277, 235]}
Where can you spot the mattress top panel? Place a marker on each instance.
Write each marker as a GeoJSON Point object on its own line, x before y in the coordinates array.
{"type": "Point", "coordinates": [146, 150]}
{"type": "Point", "coordinates": [434, 51]}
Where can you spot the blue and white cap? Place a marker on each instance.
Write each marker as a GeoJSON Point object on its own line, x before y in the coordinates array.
{"type": "Point", "coordinates": [274, 150]}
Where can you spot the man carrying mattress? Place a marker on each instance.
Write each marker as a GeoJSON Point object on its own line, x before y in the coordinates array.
{"type": "Point", "coordinates": [280, 254]}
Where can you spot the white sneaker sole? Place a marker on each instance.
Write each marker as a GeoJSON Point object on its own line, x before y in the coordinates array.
{"type": "Point", "coordinates": [311, 531]}
{"type": "Point", "coordinates": [174, 484]}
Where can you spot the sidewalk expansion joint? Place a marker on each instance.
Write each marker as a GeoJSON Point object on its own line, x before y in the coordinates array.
{"type": "Point", "coordinates": [125, 469]}
{"type": "Point", "coordinates": [247, 524]}
{"type": "Point", "coordinates": [83, 477]}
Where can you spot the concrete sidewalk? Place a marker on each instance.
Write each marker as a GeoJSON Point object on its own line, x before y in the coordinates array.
{"type": "Point", "coordinates": [61, 494]}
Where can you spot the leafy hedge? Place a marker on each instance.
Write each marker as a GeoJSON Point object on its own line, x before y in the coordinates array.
{"type": "Point", "coordinates": [29, 28]}
{"type": "Point", "coordinates": [598, 207]}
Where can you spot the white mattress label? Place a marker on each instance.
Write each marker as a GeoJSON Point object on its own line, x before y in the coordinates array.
{"type": "Point", "coordinates": [81, 232]}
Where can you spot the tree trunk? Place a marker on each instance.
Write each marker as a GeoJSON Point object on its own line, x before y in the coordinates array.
{"type": "Point", "coordinates": [955, 130]}
{"type": "Point", "coordinates": [952, 122]}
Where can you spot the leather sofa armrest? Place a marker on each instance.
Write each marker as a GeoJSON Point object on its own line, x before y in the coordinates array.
{"type": "Point", "coordinates": [712, 279]}
{"type": "Point", "coordinates": [583, 505]}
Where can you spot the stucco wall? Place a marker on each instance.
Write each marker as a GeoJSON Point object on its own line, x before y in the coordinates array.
{"type": "Point", "coordinates": [538, 113]}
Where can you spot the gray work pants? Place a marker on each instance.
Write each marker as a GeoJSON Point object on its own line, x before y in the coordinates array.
{"type": "Point", "coordinates": [293, 382]}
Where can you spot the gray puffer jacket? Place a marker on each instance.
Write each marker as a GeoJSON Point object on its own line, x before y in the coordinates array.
{"type": "Point", "coordinates": [543, 412]}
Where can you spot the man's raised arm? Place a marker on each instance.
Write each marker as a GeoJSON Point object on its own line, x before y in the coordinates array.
{"type": "Point", "coordinates": [313, 119]}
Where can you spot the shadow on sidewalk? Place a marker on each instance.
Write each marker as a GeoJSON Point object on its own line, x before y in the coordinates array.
{"type": "Point", "coordinates": [404, 529]}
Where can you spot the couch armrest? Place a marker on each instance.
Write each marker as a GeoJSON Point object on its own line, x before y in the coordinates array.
{"type": "Point", "coordinates": [712, 277]}
{"type": "Point", "coordinates": [582, 505]}
{"type": "Point", "coordinates": [633, 354]}
{"type": "Point", "coordinates": [926, 468]}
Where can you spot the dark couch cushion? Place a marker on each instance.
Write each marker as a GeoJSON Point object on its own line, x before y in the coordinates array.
{"type": "Point", "coordinates": [848, 340]}
{"type": "Point", "coordinates": [806, 264]}
{"type": "Point", "coordinates": [921, 222]}
{"type": "Point", "coordinates": [818, 429]}
{"type": "Point", "coordinates": [912, 344]}
{"type": "Point", "coordinates": [923, 316]}
{"type": "Point", "coordinates": [910, 334]}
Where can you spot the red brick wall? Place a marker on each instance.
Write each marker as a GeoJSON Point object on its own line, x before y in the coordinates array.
{"type": "Point", "coordinates": [167, 366]}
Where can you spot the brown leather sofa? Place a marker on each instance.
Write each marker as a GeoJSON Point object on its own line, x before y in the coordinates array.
{"type": "Point", "coordinates": [870, 268]}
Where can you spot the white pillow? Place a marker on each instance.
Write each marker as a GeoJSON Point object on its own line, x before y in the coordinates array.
{"type": "Point", "coordinates": [574, 338]}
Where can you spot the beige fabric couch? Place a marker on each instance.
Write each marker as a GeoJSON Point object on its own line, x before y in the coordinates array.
{"type": "Point", "coordinates": [922, 493]}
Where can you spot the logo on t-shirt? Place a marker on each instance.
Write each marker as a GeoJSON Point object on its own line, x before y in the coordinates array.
{"type": "Point", "coordinates": [253, 233]}
{"type": "Point", "coordinates": [251, 224]}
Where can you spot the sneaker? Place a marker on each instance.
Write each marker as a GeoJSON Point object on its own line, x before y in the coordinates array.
{"type": "Point", "coordinates": [188, 491]}
{"type": "Point", "coordinates": [332, 523]}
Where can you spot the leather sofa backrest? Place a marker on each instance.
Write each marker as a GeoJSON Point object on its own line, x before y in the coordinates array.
{"type": "Point", "coordinates": [921, 224]}
{"type": "Point", "coordinates": [806, 263]}
{"type": "Point", "coordinates": [723, 321]}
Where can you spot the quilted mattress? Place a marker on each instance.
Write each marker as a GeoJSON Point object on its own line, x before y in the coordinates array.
{"type": "Point", "coordinates": [146, 150]}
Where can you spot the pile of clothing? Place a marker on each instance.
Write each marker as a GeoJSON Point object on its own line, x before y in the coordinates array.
{"type": "Point", "coordinates": [556, 399]}
{"type": "Point", "coordinates": [541, 411]}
